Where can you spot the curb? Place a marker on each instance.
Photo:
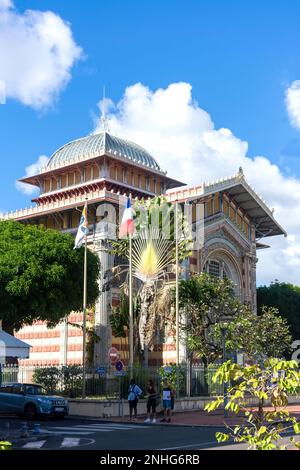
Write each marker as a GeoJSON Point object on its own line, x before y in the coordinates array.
{"type": "Point", "coordinates": [172, 424]}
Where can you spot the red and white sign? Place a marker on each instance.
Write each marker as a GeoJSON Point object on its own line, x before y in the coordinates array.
{"type": "Point", "coordinates": [113, 355]}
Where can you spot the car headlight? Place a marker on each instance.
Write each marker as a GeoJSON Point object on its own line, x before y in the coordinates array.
{"type": "Point", "coordinates": [44, 400]}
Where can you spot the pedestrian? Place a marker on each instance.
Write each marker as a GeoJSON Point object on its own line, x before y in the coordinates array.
{"type": "Point", "coordinates": [151, 403]}
{"type": "Point", "coordinates": [133, 397]}
{"type": "Point", "coordinates": [167, 401]}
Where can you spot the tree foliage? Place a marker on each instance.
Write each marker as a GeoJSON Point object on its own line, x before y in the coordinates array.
{"type": "Point", "coordinates": [156, 218]}
{"type": "Point", "coordinates": [41, 275]}
{"type": "Point", "coordinates": [286, 298]}
{"type": "Point", "coordinates": [153, 251]}
{"type": "Point", "coordinates": [205, 302]}
{"type": "Point", "coordinates": [259, 337]}
{"type": "Point", "coordinates": [273, 383]}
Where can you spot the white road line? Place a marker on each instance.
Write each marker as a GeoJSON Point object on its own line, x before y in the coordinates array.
{"type": "Point", "coordinates": [112, 428]}
{"type": "Point", "coordinates": [117, 425]}
{"type": "Point", "coordinates": [58, 433]}
{"type": "Point", "coordinates": [82, 428]}
{"type": "Point", "coordinates": [34, 445]}
{"type": "Point", "coordinates": [190, 446]}
{"type": "Point", "coordinates": [70, 442]}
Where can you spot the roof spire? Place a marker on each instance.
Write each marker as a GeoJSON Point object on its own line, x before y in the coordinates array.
{"type": "Point", "coordinates": [103, 108]}
{"type": "Point", "coordinates": [240, 173]}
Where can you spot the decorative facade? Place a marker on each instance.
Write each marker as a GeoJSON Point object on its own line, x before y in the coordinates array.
{"type": "Point", "coordinates": [103, 168]}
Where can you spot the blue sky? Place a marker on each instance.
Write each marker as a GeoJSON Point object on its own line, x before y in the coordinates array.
{"type": "Point", "coordinates": [239, 57]}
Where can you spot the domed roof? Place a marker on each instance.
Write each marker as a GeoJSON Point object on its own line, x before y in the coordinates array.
{"type": "Point", "coordinates": [101, 144]}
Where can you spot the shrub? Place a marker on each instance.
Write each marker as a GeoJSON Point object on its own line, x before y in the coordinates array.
{"type": "Point", "coordinates": [48, 377]}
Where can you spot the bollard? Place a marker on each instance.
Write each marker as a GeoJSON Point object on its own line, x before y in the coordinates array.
{"type": "Point", "coordinates": [36, 429]}
{"type": "Point", "coordinates": [24, 430]}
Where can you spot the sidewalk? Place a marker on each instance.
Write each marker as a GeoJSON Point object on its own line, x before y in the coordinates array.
{"type": "Point", "coordinates": [200, 418]}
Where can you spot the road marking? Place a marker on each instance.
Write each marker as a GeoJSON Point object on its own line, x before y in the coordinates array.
{"type": "Point", "coordinates": [34, 445]}
{"type": "Point", "coordinates": [77, 429]}
{"type": "Point", "coordinates": [57, 433]}
{"type": "Point", "coordinates": [104, 426]}
{"type": "Point", "coordinates": [70, 442]}
{"type": "Point", "coordinates": [130, 426]}
{"type": "Point", "coordinates": [200, 444]}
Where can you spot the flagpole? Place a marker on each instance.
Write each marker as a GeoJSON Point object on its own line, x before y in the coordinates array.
{"type": "Point", "coordinates": [177, 297]}
{"type": "Point", "coordinates": [84, 313]}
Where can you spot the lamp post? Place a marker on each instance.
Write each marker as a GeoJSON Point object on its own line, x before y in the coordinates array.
{"type": "Point", "coordinates": [223, 328]}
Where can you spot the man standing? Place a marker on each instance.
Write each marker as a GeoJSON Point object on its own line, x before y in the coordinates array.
{"type": "Point", "coordinates": [167, 401]}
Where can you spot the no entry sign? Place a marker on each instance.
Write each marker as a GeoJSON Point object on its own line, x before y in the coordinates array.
{"type": "Point", "coordinates": [113, 355]}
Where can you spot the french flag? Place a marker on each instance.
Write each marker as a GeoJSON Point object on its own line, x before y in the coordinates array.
{"type": "Point", "coordinates": [127, 224]}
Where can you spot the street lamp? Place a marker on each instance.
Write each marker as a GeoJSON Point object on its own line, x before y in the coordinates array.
{"type": "Point", "coordinates": [223, 328]}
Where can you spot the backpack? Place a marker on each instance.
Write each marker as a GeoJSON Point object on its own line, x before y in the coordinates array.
{"type": "Point", "coordinates": [133, 395]}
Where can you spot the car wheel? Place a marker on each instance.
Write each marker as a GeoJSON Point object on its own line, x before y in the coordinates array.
{"type": "Point", "coordinates": [30, 412]}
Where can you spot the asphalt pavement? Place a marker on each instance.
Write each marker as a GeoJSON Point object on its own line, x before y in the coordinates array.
{"type": "Point", "coordinates": [85, 434]}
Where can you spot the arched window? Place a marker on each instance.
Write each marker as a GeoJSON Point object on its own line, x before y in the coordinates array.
{"type": "Point", "coordinates": [216, 268]}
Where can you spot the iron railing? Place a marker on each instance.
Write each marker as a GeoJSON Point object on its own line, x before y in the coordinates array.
{"type": "Point", "coordinates": [108, 383]}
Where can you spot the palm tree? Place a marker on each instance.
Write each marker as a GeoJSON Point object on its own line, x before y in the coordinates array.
{"type": "Point", "coordinates": [153, 251]}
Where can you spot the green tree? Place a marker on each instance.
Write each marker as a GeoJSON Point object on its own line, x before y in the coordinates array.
{"type": "Point", "coordinates": [41, 275]}
{"type": "Point", "coordinates": [205, 302]}
{"type": "Point", "coordinates": [286, 298]}
{"type": "Point", "coordinates": [258, 337]}
{"type": "Point", "coordinates": [273, 382]}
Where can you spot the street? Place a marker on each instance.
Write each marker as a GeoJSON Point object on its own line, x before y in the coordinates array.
{"type": "Point", "coordinates": [83, 434]}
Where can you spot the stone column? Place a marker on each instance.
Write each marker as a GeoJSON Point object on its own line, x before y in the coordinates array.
{"type": "Point", "coordinates": [63, 354]}
{"type": "Point", "coordinates": [253, 270]}
{"type": "Point", "coordinates": [102, 307]}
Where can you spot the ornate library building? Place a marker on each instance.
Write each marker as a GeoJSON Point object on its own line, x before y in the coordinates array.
{"type": "Point", "coordinates": [103, 167]}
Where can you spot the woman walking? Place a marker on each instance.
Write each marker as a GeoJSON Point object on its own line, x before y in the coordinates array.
{"type": "Point", "coordinates": [151, 403]}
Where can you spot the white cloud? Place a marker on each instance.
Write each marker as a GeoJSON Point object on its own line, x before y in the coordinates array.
{"type": "Point", "coordinates": [31, 170]}
{"type": "Point", "coordinates": [37, 53]}
{"type": "Point", "coordinates": [6, 4]}
{"type": "Point", "coordinates": [182, 136]}
{"type": "Point", "coordinates": [292, 100]}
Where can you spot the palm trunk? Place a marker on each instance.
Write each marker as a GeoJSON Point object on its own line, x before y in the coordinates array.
{"type": "Point", "coordinates": [147, 296]}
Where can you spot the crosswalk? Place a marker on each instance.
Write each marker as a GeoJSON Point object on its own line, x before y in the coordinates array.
{"type": "Point", "coordinates": [85, 429]}
{"type": "Point", "coordinates": [64, 443]}
{"type": "Point", "coordinates": [75, 436]}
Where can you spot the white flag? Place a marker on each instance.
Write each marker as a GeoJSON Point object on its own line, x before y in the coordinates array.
{"type": "Point", "coordinates": [83, 229]}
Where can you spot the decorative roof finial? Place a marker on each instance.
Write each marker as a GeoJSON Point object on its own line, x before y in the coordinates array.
{"type": "Point", "coordinates": [240, 173]}
{"type": "Point", "coordinates": [103, 108]}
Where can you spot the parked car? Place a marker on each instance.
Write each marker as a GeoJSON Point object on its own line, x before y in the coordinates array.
{"type": "Point", "coordinates": [31, 400]}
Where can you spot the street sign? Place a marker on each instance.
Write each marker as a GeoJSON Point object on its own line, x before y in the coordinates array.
{"type": "Point", "coordinates": [168, 370]}
{"type": "Point", "coordinates": [113, 355]}
{"type": "Point", "coordinates": [101, 370]}
{"type": "Point", "coordinates": [119, 373]}
{"type": "Point", "coordinates": [119, 365]}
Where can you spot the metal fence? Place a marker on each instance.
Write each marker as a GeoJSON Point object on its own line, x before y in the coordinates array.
{"type": "Point", "coordinates": [107, 383]}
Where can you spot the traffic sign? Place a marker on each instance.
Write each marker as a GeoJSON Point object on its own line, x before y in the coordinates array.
{"type": "Point", "coordinates": [119, 373]}
{"type": "Point", "coordinates": [113, 355]}
{"type": "Point", "coordinates": [101, 370]}
{"type": "Point", "coordinates": [119, 365]}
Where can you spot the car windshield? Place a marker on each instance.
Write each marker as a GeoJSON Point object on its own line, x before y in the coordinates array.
{"type": "Point", "coordinates": [35, 390]}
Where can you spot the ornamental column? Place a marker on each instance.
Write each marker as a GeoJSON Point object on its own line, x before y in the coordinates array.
{"type": "Point", "coordinates": [253, 271]}
{"type": "Point", "coordinates": [102, 307]}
